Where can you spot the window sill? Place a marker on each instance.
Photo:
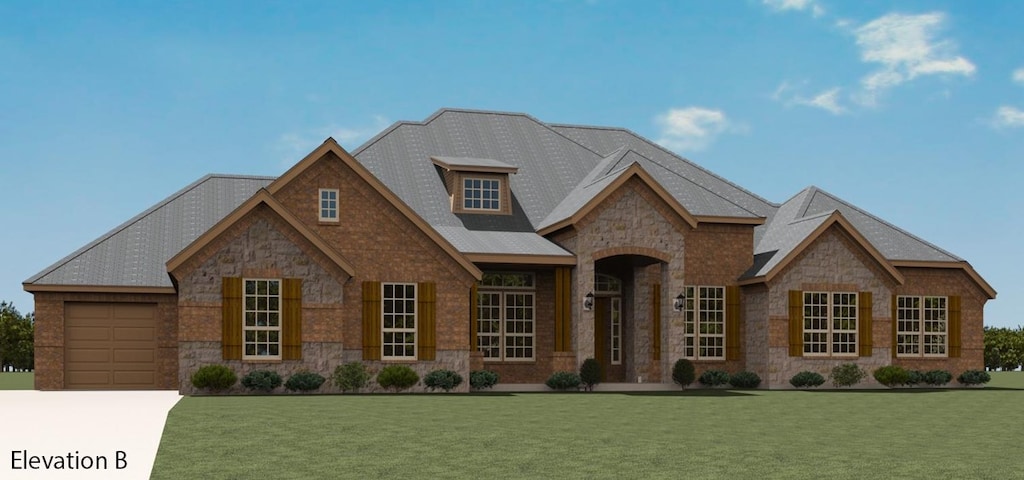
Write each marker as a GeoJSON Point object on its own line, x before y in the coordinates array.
{"type": "Point", "coordinates": [262, 360]}
{"type": "Point", "coordinates": [510, 362]}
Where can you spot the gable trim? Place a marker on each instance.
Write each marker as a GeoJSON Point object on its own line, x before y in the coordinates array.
{"type": "Point", "coordinates": [966, 267]}
{"type": "Point", "coordinates": [634, 170]}
{"type": "Point", "coordinates": [331, 146]}
{"type": "Point", "coordinates": [261, 197]}
{"type": "Point", "coordinates": [835, 218]}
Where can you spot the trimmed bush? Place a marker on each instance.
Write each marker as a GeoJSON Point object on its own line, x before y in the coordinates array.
{"type": "Point", "coordinates": [892, 375]}
{"type": "Point", "coordinates": [214, 378]}
{"type": "Point", "coordinates": [351, 376]}
{"type": "Point", "coordinates": [683, 372]}
{"type": "Point", "coordinates": [713, 378]}
{"type": "Point", "coordinates": [563, 381]}
{"type": "Point", "coordinates": [974, 377]}
{"type": "Point", "coordinates": [847, 375]}
{"type": "Point", "coordinates": [915, 377]}
{"type": "Point", "coordinates": [261, 380]}
{"type": "Point", "coordinates": [590, 373]}
{"type": "Point", "coordinates": [397, 377]}
{"type": "Point", "coordinates": [304, 381]}
{"type": "Point", "coordinates": [807, 380]}
{"type": "Point", "coordinates": [938, 378]}
{"type": "Point", "coordinates": [444, 379]}
{"type": "Point", "coordinates": [745, 380]}
{"type": "Point", "coordinates": [482, 379]}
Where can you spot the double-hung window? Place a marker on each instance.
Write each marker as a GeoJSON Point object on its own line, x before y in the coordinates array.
{"type": "Point", "coordinates": [921, 326]}
{"type": "Point", "coordinates": [399, 322]}
{"type": "Point", "coordinates": [704, 323]}
{"type": "Point", "coordinates": [830, 324]}
{"type": "Point", "coordinates": [505, 316]}
{"type": "Point", "coordinates": [261, 330]}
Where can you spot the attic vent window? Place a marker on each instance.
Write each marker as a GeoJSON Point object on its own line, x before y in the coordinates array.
{"type": "Point", "coordinates": [328, 205]}
{"type": "Point", "coordinates": [481, 194]}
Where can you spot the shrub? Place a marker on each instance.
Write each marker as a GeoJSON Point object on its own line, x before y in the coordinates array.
{"type": "Point", "coordinates": [807, 379]}
{"type": "Point", "coordinates": [745, 380]}
{"type": "Point", "coordinates": [214, 378]}
{"type": "Point", "coordinates": [304, 381]}
{"type": "Point", "coordinates": [351, 376]}
{"type": "Point", "coordinates": [683, 373]}
{"type": "Point", "coordinates": [397, 377]}
{"type": "Point", "coordinates": [590, 373]}
{"type": "Point", "coordinates": [974, 377]}
{"type": "Point", "coordinates": [444, 379]}
{"type": "Point", "coordinates": [938, 378]}
{"type": "Point", "coordinates": [713, 378]}
{"type": "Point", "coordinates": [261, 380]}
{"type": "Point", "coordinates": [563, 381]}
{"type": "Point", "coordinates": [892, 375]}
{"type": "Point", "coordinates": [915, 377]}
{"type": "Point", "coordinates": [482, 379]}
{"type": "Point", "coordinates": [847, 375]}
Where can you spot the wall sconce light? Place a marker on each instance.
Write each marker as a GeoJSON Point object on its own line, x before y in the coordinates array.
{"type": "Point", "coordinates": [588, 302]}
{"type": "Point", "coordinates": [679, 302]}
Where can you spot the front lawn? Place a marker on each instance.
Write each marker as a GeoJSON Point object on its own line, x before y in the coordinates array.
{"type": "Point", "coordinates": [696, 434]}
{"type": "Point", "coordinates": [17, 380]}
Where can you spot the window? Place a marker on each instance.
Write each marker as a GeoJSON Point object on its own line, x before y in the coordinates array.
{"type": "Point", "coordinates": [830, 324]}
{"type": "Point", "coordinates": [704, 323]}
{"type": "Point", "coordinates": [399, 323]}
{"type": "Point", "coordinates": [328, 205]}
{"type": "Point", "coordinates": [505, 316]}
{"type": "Point", "coordinates": [261, 331]}
{"type": "Point", "coordinates": [921, 326]}
{"type": "Point", "coordinates": [481, 194]}
{"type": "Point", "coordinates": [616, 324]}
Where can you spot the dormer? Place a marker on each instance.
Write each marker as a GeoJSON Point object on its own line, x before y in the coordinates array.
{"type": "Point", "coordinates": [477, 185]}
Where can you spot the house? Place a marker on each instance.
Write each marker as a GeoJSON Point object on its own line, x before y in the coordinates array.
{"type": "Point", "coordinates": [476, 240]}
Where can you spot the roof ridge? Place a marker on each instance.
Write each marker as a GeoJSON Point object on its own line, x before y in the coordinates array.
{"type": "Point", "coordinates": [118, 229]}
{"type": "Point", "coordinates": [706, 189]}
{"type": "Point", "coordinates": [883, 222]}
{"type": "Point", "coordinates": [814, 217]}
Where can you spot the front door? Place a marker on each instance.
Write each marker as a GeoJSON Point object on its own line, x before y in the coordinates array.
{"type": "Point", "coordinates": [608, 349]}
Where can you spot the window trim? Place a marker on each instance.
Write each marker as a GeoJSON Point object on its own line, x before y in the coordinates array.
{"type": "Point", "coordinates": [384, 330]}
{"type": "Point", "coordinates": [496, 199]}
{"type": "Point", "coordinates": [691, 306]}
{"type": "Point", "coordinates": [321, 208]}
{"type": "Point", "coordinates": [267, 328]}
{"type": "Point", "coordinates": [830, 319]}
{"type": "Point", "coordinates": [921, 333]}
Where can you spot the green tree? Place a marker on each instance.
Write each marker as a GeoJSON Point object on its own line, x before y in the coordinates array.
{"type": "Point", "coordinates": [1004, 348]}
{"type": "Point", "coordinates": [16, 338]}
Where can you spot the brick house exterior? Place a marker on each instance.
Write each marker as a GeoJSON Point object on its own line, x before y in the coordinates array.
{"type": "Point", "coordinates": [488, 240]}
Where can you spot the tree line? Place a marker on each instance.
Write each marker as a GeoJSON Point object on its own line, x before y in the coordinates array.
{"type": "Point", "coordinates": [17, 350]}
{"type": "Point", "coordinates": [1004, 348]}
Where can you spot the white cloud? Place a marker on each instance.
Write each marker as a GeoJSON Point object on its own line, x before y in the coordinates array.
{"type": "Point", "coordinates": [1018, 75]}
{"type": "Point", "coordinates": [692, 129]}
{"type": "Point", "coordinates": [1008, 117]}
{"type": "Point", "coordinates": [798, 5]}
{"type": "Point", "coordinates": [906, 47]}
{"type": "Point", "coordinates": [295, 145]}
{"type": "Point", "coordinates": [827, 100]}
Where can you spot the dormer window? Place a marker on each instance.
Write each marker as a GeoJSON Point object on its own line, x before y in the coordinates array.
{"type": "Point", "coordinates": [328, 205]}
{"type": "Point", "coordinates": [477, 185]}
{"type": "Point", "coordinates": [481, 194]}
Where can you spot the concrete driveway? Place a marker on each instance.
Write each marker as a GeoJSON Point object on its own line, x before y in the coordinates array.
{"type": "Point", "coordinates": [76, 430]}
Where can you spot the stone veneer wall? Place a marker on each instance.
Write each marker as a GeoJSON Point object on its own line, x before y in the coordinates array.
{"type": "Point", "coordinates": [49, 334]}
{"type": "Point", "coordinates": [755, 321]}
{"type": "Point", "coordinates": [832, 263]}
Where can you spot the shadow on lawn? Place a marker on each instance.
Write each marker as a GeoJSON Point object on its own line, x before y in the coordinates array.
{"type": "Point", "coordinates": [898, 391]}
{"type": "Point", "coordinates": [709, 392]}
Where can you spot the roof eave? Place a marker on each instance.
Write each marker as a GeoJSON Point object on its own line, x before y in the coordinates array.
{"type": "Point", "coordinates": [36, 288]}
{"type": "Point", "coordinates": [963, 265]}
{"type": "Point", "coordinates": [521, 259]}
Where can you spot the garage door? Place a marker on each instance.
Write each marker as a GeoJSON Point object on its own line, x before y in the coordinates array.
{"type": "Point", "coordinates": [109, 346]}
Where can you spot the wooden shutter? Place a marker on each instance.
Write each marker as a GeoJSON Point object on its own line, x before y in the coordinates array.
{"type": "Point", "coordinates": [864, 322]}
{"type": "Point", "coordinates": [656, 321]}
{"type": "Point", "coordinates": [953, 331]}
{"type": "Point", "coordinates": [796, 323]}
{"type": "Point", "coordinates": [291, 319]}
{"type": "Point", "coordinates": [426, 316]}
{"type": "Point", "coordinates": [474, 312]}
{"type": "Point", "coordinates": [371, 320]}
{"type": "Point", "coordinates": [563, 309]}
{"type": "Point", "coordinates": [732, 322]}
{"type": "Point", "coordinates": [895, 326]}
{"type": "Point", "coordinates": [231, 323]}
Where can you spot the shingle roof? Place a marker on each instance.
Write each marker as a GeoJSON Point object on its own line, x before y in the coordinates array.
{"type": "Point", "coordinates": [134, 253]}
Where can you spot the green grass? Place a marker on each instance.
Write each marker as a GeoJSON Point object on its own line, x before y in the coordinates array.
{"type": "Point", "coordinates": [697, 434]}
{"type": "Point", "coordinates": [17, 380]}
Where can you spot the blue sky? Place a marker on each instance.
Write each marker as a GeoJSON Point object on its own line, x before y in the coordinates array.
{"type": "Point", "coordinates": [911, 110]}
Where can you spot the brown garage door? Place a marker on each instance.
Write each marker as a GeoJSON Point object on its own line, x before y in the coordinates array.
{"type": "Point", "coordinates": [109, 346]}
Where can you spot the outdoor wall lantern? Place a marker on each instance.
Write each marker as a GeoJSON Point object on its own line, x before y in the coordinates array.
{"type": "Point", "coordinates": [677, 305]}
{"type": "Point", "coordinates": [588, 302]}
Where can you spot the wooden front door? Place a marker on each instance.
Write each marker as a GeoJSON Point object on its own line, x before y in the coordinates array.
{"type": "Point", "coordinates": [608, 331]}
